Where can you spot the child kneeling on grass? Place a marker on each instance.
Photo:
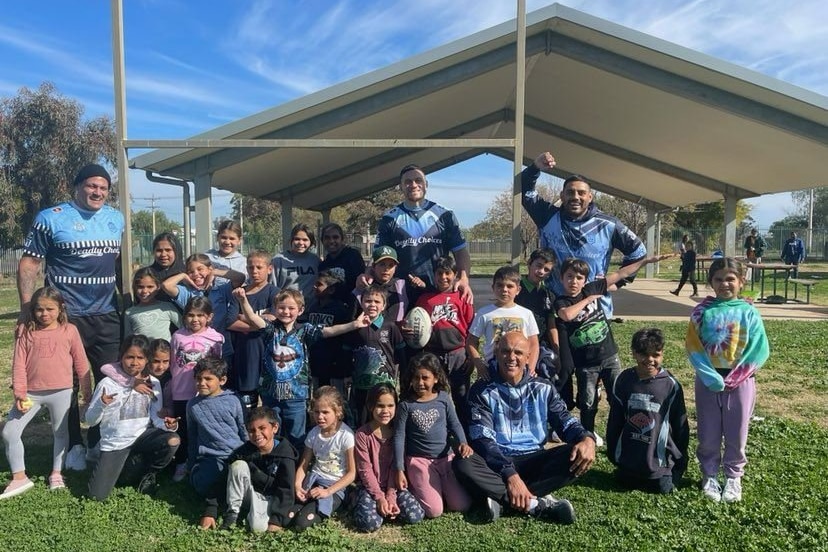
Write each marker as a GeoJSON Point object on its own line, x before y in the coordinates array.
{"type": "Point", "coordinates": [135, 442]}
{"type": "Point", "coordinates": [647, 430]}
{"type": "Point", "coordinates": [261, 476]}
{"type": "Point", "coordinates": [215, 432]}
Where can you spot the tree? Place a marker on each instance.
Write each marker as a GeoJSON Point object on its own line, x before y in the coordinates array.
{"type": "Point", "coordinates": [802, 200]}
{"type": "Point", "coordinates": [43, 144]}
{"type": "Point", "coordinates": [633, 215]}
{"type": "Point", "coordinates": [142, 223]}
{"type": "Point", "coordinates": [497, 224]}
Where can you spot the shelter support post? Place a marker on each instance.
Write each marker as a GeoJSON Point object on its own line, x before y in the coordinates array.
{"type": "Point", "coordinates": [287, 222]}
{"type": "Point", "coordinates": [121, 134]}
{"type": "Point", "coordinates": [326, 218]}
{"type": "Point", "coordinates": [652, 247]}
{"type": "Point", "coordinates": [203, 212]}
{"type": "Point", "coordinates": [729, 244]}
{"type": "Point", "coordinates": [520, 92]}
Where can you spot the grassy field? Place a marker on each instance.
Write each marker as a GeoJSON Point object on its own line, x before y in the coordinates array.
{"type": "Point", "coordinates": [784, 508]}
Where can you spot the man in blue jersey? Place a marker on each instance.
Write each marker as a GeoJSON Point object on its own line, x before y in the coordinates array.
{"type": "Point", "coordinates": [421, 232]}
{"type": "Point", "coordinates": [80, 240]}
{"type": "Point", "coordinates": [577, 228]}
{"type": "Point", "coordinates": [510, 418]}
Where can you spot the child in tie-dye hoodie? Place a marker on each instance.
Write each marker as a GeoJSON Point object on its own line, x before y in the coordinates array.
{"type": "Point", "coordinates": [726, 344]}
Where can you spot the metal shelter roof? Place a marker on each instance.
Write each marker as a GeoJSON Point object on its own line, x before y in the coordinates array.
{"type": "Point", "coordinates": [642, 118]}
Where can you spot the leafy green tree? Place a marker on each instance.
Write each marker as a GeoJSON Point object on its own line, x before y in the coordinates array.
{"type": "Point", "coordinates": [142, 223]}
{"type": "Point", "coordinates": [802, 201]}
{"type": "Point", "coordinates": [44, 141]}
{"type": "Point", "coordinates": [497, 224]}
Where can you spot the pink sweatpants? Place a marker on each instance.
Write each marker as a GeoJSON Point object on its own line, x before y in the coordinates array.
{"type": "Point", "coordinates": [431, 480]}
{"type": "Point", "coordinates": [724, 415]}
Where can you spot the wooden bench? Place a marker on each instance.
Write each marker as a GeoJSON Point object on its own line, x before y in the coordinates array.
{"type": "Point", "coordinates": [806, 284]}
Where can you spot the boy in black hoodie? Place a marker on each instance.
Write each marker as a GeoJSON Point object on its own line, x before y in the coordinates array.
{"type": "Point", "coordinates": [261, 476]}
{"type": "Point", "coordinates": [647, 430]}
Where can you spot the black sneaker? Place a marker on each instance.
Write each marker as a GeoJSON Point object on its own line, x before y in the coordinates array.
{"type": "Point", "coordinates": [552, 509]}
{"type": "Point", "coordinates": [147, 485]}
{"type": "Point", "coordinates": [228, 523]}
{"type": "Point", "coordinates": [674, 293]}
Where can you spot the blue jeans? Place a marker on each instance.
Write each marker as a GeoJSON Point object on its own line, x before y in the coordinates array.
{"type": "Point", "coordinates": [293, 414]}
{"type": "Point", "coordinates": [588, 377]}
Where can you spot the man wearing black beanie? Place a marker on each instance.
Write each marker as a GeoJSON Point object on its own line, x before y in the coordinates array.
{"type": "Point", "coordinates": [80, 240]}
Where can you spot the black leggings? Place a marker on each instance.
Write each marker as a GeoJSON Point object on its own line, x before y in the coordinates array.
{"type": "Point", "coordinates": [307, 515]}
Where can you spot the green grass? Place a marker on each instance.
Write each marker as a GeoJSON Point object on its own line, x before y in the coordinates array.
{"type": "Point", "coordinates": [784, 505]}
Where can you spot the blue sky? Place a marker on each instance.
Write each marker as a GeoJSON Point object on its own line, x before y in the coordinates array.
{"type": "Point", "coordinates": [193, 65]}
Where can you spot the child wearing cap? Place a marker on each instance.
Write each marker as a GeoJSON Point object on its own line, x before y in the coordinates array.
{"type": "Point", "coordinates": [381, 274]}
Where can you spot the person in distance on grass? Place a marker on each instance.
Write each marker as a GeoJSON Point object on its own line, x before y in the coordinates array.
{"type": "Point", "coordinates": [260, 476]}
{"type": "Point", "coordinates": [688, 269]}
{"type": "Point", "coordinates": [510, 419]}
{"type": "Point", "coordinates": [726, 343]}
{"type": "Point", "coordinates": [647, 430]}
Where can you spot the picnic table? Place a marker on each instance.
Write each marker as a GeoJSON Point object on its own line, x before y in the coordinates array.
{"type": "Point", "coordinates": [775, 269]}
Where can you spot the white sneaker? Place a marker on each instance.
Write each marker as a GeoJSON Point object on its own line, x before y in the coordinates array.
{"type": "Point", "coordinates": [733, 490]}
{"type": "Point", "coordinates": [494, 509]}
{"type": "Point", "coordinates": [76, 458]}
{"type": "Point", "coordinates": [180, 473]}
{"type": "Point", "coordinates": [712, 489]}
{"type": "Point", "coordinates": [599, 442]}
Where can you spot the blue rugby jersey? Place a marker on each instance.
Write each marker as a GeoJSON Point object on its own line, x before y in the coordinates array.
{"type": "Point", "coordinates": [591, 238]}
{"type": "Point", "coordinates": [420, 237]}
{"type": "Point", "coordinates": [81, 249]}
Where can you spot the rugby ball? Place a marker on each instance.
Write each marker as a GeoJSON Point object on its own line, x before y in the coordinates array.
{"type": "Point", "coordinates": [419, 322]}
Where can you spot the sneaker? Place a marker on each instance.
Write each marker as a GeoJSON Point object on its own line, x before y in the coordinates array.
{"type": "Point", "coordinates": [56, 482]}
{"type": "Point", "coordinates": [494, 509]}
{"type": "Point", "coordinates": [674, 293]}
{"type": "Point", "coordinates": [180, 473]}
{"type": "Point", "coordinates": [76, 458]}
{"type": "Point", "coordinates": [599, 442]}
{"type": "Point", "coordinates": [228, 523]}
{"type": "Point", "coordinates": [553, 509]}
{"type": "Point", "coordinates": [17, 487]}
{"type": "Point", "coordinates": [147, 485]}
{"type": "Point", "coordinates": [712, 489]}
{"type": "Point", "coordinates": [733, 490]}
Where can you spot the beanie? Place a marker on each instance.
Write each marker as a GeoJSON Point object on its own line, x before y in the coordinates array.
{"type": "Point", "coordinates": [92, 170]}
